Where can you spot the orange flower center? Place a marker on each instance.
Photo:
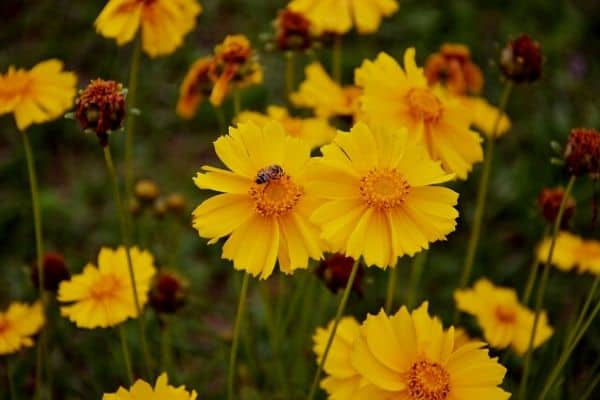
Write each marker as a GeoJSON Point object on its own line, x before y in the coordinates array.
{"type": "Point", "coordinates": [424, 105]}
{"type": "Point", "coordinates": [589, 250]}
{"type": "Point", "coordinates": [15, 85]}
{"type": "Point", "coordinates": [428, 381]}
{"type": "Point", "coordinates": [276, 197]}
{"type": "Point", "coordinates": [105, 287]}
{"type": "Point", "coordinates": [505, 314]}
{"type": "Point", "coordinates": [3, 325]}
{"type": "Point", "coordinates": [384, 188]}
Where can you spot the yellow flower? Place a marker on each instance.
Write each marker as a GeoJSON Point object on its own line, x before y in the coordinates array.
{"type": "Point", "coordinates": [505, 322]}
{"type": "Point", "coordinates": [17, 326]}
{"type": "Point", "coordinates": [196, 86]}
{"type": "Point", "coordinates": [461, 337]}
{"type": "Point", "coordinates": [377, 198]}
{"type": "Point", "coordinates": [402, 98]}
{"type": "Point", "coordinates": [338, 16]}
{"type": "Point", "coordinates": [102, 296]}
{"type": "Point", "coordinates": [42, 94]}
{"type": "Point", "coordinates": [571, 251]}
{"type": "Point", "coordinates": [314, 131]}
{"type": "Point", "coordinates": [265, 204]}
{"type": "Point", "coordinates": [325, 96]}
{"type": "Point", "coordinates": [164, 23]}
{"type": "Point", "coordinates": [143, 391]}
{"type": "Point", "coordinates": [410, 357]}
{"type": "Point", "coordinates": [484, 116]}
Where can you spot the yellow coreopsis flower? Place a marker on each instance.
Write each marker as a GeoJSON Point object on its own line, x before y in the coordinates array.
{"type": "Point", "coordinates": [571, 251]}
{"type": "Point", "coordinates": [196, 86]}
{"type": "Point", "coordinates": [41, 94]}
{"type": "Point", "coordinates": [410, 357]}
{"type": "Point", "coordinates": [399, 97]}
{"type": "Point", "coordinates": [141, 390]}
{"type": "Point", "coordinates": [377, 198]}
{"type": "Point", "coordinates": [314, 131]}
{"type": "Point", "coordinates": [339, 16]}
{"type": "Point", "coordinates": [327, 98]}
{"type": "Point", "coordinates": [265, 203]}
{"type": "Point", "coordinates": [164, 23]}
{"type": "Point", "coordinates": [504, 321]}
{"type": "Point", "coordinates": [17, 326]}
{"type": "Point", "coordinates": [102, 296]}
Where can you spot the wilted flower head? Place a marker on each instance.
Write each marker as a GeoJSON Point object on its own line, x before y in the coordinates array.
{"type": "Point", "coordinates": [335, 270]}
{"type": "Point", "coordinates": [196, 86]}
{"type": "Point", "coordinates": [168, 293]}
{"type": "Point", "coordinates": [292, 31]}
{"type": "Point", "coordinates": [582, 154]}
{"type": "Point", "coordinates": [521, 60]}
{"type": "Point", "coordinates": [55, 271]}
{"type": "Point", "coordinates": [453, 68]}
{"type": "Point", "coordinates": [549, 202]}
{"type": "Point", "coordinates": [101, 108]}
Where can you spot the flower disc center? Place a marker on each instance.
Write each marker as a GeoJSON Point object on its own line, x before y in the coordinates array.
{"type": "Point", "coordinates": [424, 105]}
{"type": "Point", "coordinates": [428, 381]}
{"type": "Point", "coordinates": [505, 314]}
{"type": "Point", "coordinates": [384, 188]}
{"type": "Point", "coordinates": [276, 197]}
{"type": "Point", "coordinates": [3, 325]}
{"type": "Point", "coordinates": [105, 287]}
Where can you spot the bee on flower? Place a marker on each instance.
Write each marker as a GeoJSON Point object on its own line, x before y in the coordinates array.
{"type": "Point", "coordinates": [18, 324]}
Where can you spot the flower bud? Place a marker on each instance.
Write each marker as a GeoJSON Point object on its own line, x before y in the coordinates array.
{"type": "Point", "coordinates": [146, 190]}
{"type": "Point", "coordinates": [521, 60]}
{"type": "Point", "coordinates": [55, 271]}
{"type": "Point", "coordinates": [335, 271]}
{"type": "Point", "coordinates": [549, 202]}
{"type": "Point", "coordinates": [292, 31]}
{"type": "Point", "coordinates": [582, 153]}
{"type": "Point", "coordinates": [176, 203]}
{"type": "Point", "coordinates": [168, 293]}
{"type": "Point", "coordinates": [160, 207]}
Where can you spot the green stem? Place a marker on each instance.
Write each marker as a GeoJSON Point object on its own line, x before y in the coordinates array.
{"type": "Point", "coordinates": [11, 382]}
{"type": "Point", "coordinates": [590, 387]}
{"type": "Point", "coordinates": [336, 59]}
{"type": "Point", "coordinates": [236, 336]}
{"type": "Point", "coordinates": [274, 339]}
{"type": "Point", "coordinates": [481, 195]}
{"type": "Point", "coordinates": [338, 317]}
{"type": "Point", "coordinates": [134, 69]}
{"type": "Point", "coordinates": [126, 355]}
{"type": "Point", "coordinates": [41, 356]}
{"type": "Point", "coordinates": [391, 288]}
{"type": "Point", "coordinates": [290, 74]}
{"type": "Point", "coordinates": [415, 276]}
{"type": "Point", "coordinates": [220, 113]}
{"type": "Point", "coordinates": [165, 347]}
{"type": "Point", "coordinates": [533, 270]}
{"type": "Point", "coordinates": [542, 289]}
{"type": "Point", "coordinates": [584, 310]}
{"type": "Point", "coordinates": [125, 236]}
{"type": "Point", "coordinates": [237, 103]}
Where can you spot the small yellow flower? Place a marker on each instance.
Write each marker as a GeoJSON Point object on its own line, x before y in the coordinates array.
{"type": "Point", "coordinates": [164, 23]}
{"type": "Point", "coordinates": [399, 97]}
{"type": "Point", "coordinates": [196, 86]}
{"type": "Point", "coordinates": [314, 131]}
{"type": "Point", "coordinates": [338, 16]}
{"type": "Point", "coordinates": [571, 251]}
{"type": "Point", "coordinates": [505, 322]}
{"type": "Point", "coordinates": [378, 198]}
{"type": "Point", "coordinates": [102, 296]}
{"type": "Point", "coordinates": [143, 391]}
{"type": "Point", "coordinates": [325, 96]}
{"type": "Point", "coordinates": [42, 94]}
{"type": "Point", "coordinates": [17, 326]}
{"type": "Point", "coordinates": [265, 203]}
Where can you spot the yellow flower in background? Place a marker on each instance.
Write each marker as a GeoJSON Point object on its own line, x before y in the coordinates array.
{"type": "Point", "coordinates": [101, 296]}
{"type": "Point", "coordinates": [17, 326]}
{"type": "Point", "coordinates": [314, 131]}
{"type": "Point", "coordinates": [484, 116]}
{"type": "Point", "coordinates": [327, 98]}
{"type": "Point", "coordinates": [410, 357]}
{"type": "Point", "coordinates": [339, 16]}
{"type": "Point", "coordinates": [264, 205]}
{"type": "Point", "coordinates": [141, 390]}
{"type": "Point", "coordinates": [399, 97]}
{"type": "Point", "coordinates": [504, 321]}
{"type": "Point", "coordinates": [164, 23]}
{"type": "Point", "coordinates": [377, 198]}
{"type": "Point", "coordinates": [196, 86]}
{"type": "Point", "coordinates": [41, 94]}
{"type": "Point", "coordinates": [571, 251]}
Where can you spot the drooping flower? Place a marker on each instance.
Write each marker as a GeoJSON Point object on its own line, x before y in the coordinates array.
{"type": "Point", "coordinates": [141, 390]}
{"type": "Point", "coordinates": [39, 95]}
{"type": "Point", "coordinates": [196, 86]}
{"type": "Point", "coordinates": [18, 324]}
{"type": "Point", "coordinates": [314, 131]}
{"type": "Point", "coordinates": [572, 251]}
{"type": "Point", "coordinates": [504, 321]}
{"type": "Point", "coordinates": [377, 198]}
{"type": "Point", "coordinates": [452, 67]}
{"type": "Point", "coordinates": [410, 356]}
{"type": "Point", "coordinates": [102, 296]}
{"type": "Point", "coordinates": [339, 16]}
{"type": "Point", "coordinates": [327, 98]}
{"type": "Point", "coordinates": [397, 97]}
{"type": "Point", "coordinates": [521, 60]}
{"type": "Point", "coordinates": [163, 23]}
{"type": "Point", "coordinates": [265, 203]}
{"type": "Point", "coordinates": [234, 67]}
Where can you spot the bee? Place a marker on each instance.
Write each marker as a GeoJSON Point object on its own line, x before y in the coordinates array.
{"type": "Point", "coordinates": [270, 173]}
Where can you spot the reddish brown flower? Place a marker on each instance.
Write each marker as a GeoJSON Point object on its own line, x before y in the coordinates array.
{"type": "Point", "coordinates": [582, 154]}
{"type": "Point", "coordinates": [335, 270]}
{"type": "Point", "coordinates": [549, 202]}
{"type": "Point", "coordinates": [55, 271]}
{"type": "Point", "coordinates": [521, 60]}
{"type": "Point", "coordinates": [168, 293]}
{"type": "Point", "coordinates": [292, 31]}
{"type": "Point", "coordinates": [453, 68]}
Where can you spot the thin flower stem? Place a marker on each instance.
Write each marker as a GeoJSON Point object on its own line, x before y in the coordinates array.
{"type": "Point", "coordinates": [290, 74]}
{"type": "Point", "coordinates": [415, 276]}
{"type": "Point", "coordinates": [338, 317]}
{"type": "Point", "coordinates": [126, 354]}
{"type": "Point", "coordinates": [584, 310]}
{"type": "Point", "coordinates": [482, 194]}
{"type": "Point", "coordinates": [165, 346]}
{"type": "Point", "coordinates": [125, 236]}
{"type": "Point", "coordinates": [533, 271]}
{"type": "Point", "coordinates": [336, 59]}
{"type": "Point", "coordinates": [134, 69]}
{"type": "Point", "coordinates": [542, 289]}
{"type": "Point", "coordinates": [236, 336]}
{"type": "Point", "coordinates": [11, 382]}
{"type": "Point", "coordinates": [41, 356]}
{"type": "Point", "coordinates": [237, 103]}
{"type": "Point", "coordinates": [391, 288]}
{"type": "Point", "coordinates": [220, 113]}
{"type": "Point", "coordinates": [294, 303]}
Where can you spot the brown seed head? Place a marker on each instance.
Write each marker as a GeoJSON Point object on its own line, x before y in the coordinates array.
{"type": "Point", "coordinates": [335, 270]}
{"type": "Point", "coordinates": [292, 31]}
{"type": "Point", "coordinates": [168, 293]}
{"type": "Point", "coordinates": [55, 271]}
{"type": "Point", "coordinates": [582, 153]}
{"type": "Point", "coordinates": [549, 202]}
{"type": "Point", "coordinates": [521, 60]}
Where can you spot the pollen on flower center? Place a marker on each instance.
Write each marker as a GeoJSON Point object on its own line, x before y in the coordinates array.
{"type": "Point", "coordinates": [277, 197]}
{"type": "Point", "coordinates": [428, 381]}
{"type": "Point", "coordinates": [424, 105]}
{"type": "Point", "coordinates": [105, 287]}
{"type": "Point", "coordinates": [384, 188]}
{"type": "Point", "coordinates": [506, 314]}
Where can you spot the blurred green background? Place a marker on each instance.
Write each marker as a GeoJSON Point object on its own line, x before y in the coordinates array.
{"type": "Point", "coordinates": [79, 217]}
